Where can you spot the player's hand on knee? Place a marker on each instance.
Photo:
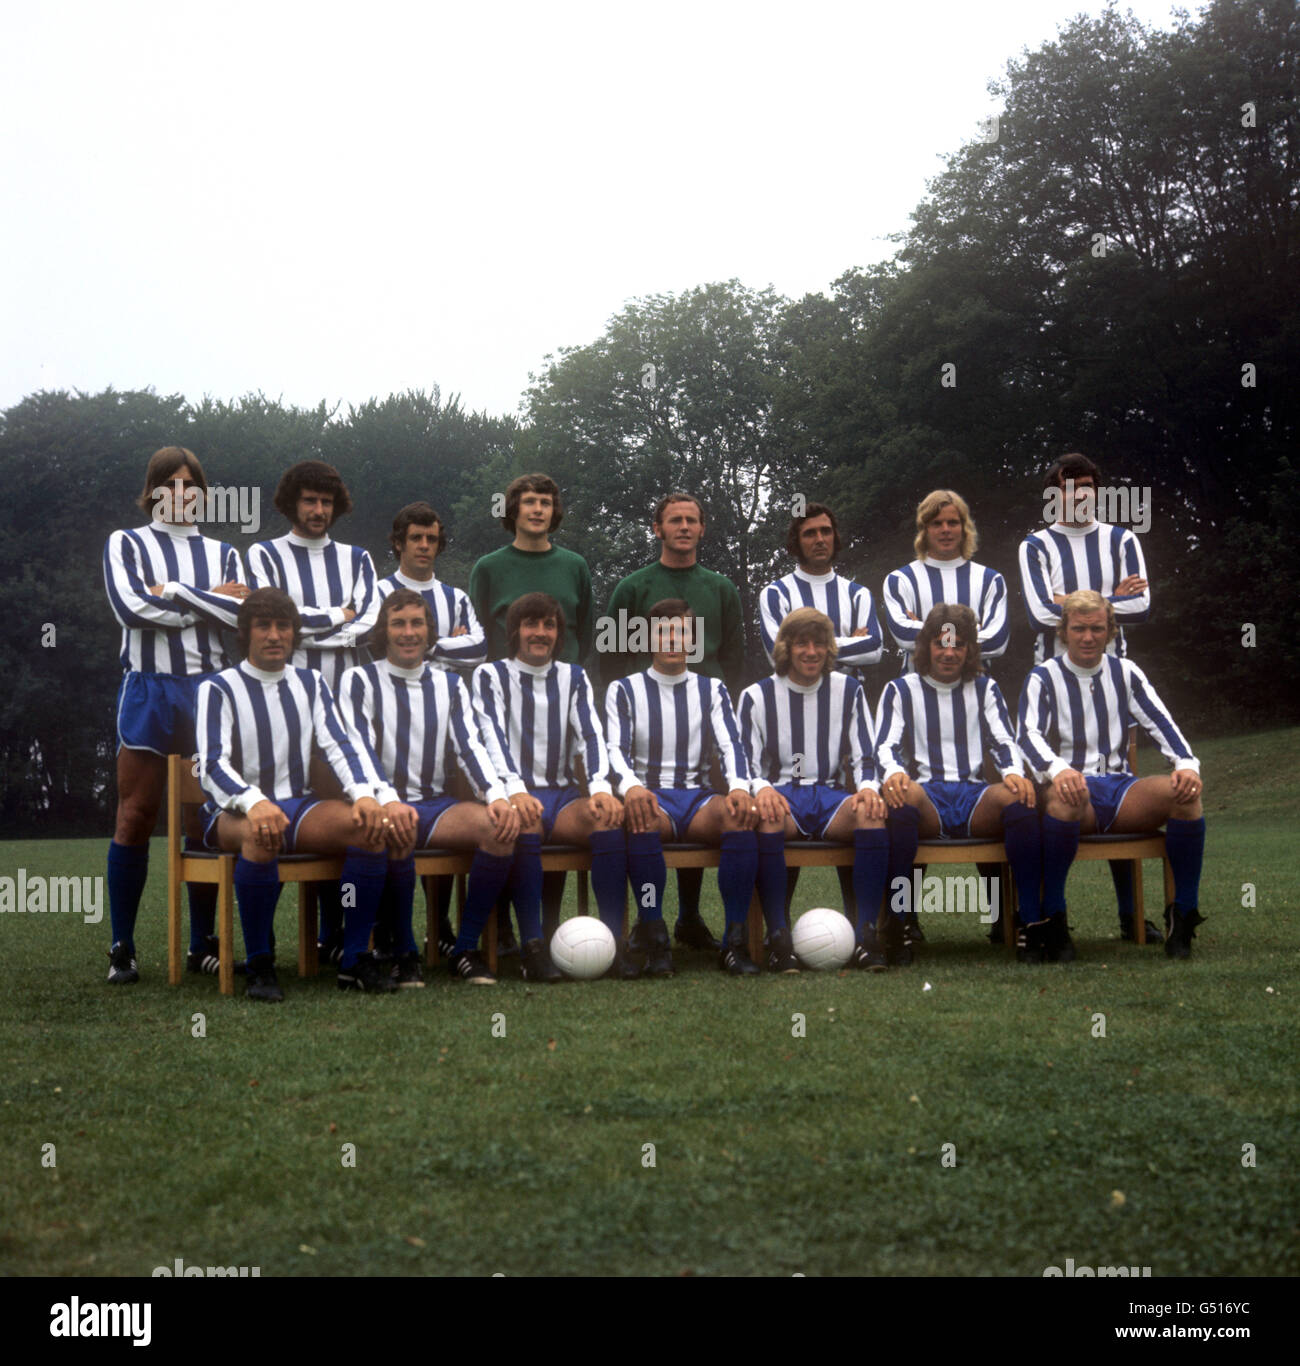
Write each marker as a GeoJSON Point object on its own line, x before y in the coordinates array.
{"type": "Point", "coordinates": [529, 809]}
{"type": "Point", "coordinates": [772, 806]}
{"type": "Point", "coordinates": [742, 808]}
{"type": "Point", "coordinates": [1070, 787]}
{"type": "Point", "coordinates": [869, 804]}
{"type": "Point", "coordinates": [1021, 789]}
{"type": "Point", "coordinates": [506, 819]}
{"type": "Point", "coordinates": [1186, 784]}
{"type": "Point", "coordinates": [368, 816]}
{"type": "Point", "coordinates": [269, 824]}
{"type": "Point", "coordinates": [606, 810]}
{"type": "Point", "coordinates": [403, 822]}
{"type": "Point", "coordinates": [894, 790]}
{"type": "Point", "coordinates": [642, 810]}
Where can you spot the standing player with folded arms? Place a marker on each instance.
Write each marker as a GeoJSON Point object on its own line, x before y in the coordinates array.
{"type": "Point", "coordinates": [172, 590]}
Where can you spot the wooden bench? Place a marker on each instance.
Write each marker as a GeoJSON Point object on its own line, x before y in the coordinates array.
{"type": "Point", "coordinates": [308, 869]}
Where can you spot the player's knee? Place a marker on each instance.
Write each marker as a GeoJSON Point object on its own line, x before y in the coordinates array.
{"type": "Point", "coordinates": [135, 820]}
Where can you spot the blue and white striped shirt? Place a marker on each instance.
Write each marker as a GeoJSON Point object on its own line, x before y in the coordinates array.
{"type": "Point", "coordinates": [807, 734]}
{"type": "Point", "coordinates": [255, 732]}
{"type": "Point", "coordinates": [660, 729]}
{"type": "Point", "coordinates": [159, 634]}
{"type": "Point", "coordinates": [536, 720]}
{"type": "Point", "coordinates": [451, 608]}
{"type": "Point", "coordinates": [1062, 559]}
{"type": "Point", "coordinates": [921, 585]}
{"type": "Point", "coordinates": [1078, 718]}
{"type": "Point", "coordinates": [327, 575]}
{"type": "Point", "coordinates": [938, 732]}
{"type": "Point", "coordinates": [410, 718]}
{"type": "Point", "coordinates": [849, 605]}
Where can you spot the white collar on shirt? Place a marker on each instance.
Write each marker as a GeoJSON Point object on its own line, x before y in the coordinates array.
{"type": "Point", "coordinates": [670, 680]}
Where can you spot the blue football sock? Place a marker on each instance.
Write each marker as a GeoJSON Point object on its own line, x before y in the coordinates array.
{"type": "Point", "coordinates": [1121, 874]}
{"type": "Point", "coordinates": [609, 878]}
{"type": "Point", "coordinates": [329, 900]}
{"type": "Point", "coordinates": [1185, 845]}
{"type": "Point", "coordinates": [399, 898]}
{"type": "Point", "coordinates": [771, 878]}
{"type": "Point", "coordinates": [257, 889]}
{"type": "Point", "coordinates": [870, 874]}
{"type": "Point", "coordinates": [203, 904]}
{"type": "Point", "coordinates": [904, 826]}
{"type": "Point", "coordinates": [362, 884]}
{"type": "Point", "coordinates": [1023, 838]}
{"type": "Point", "coordinates": [525, 885]}
{"type": "Point", "coordinates": [648, 874]}
{"type": "Point", "coordinates": [1060, 844]}
{"type": "Point", "coordinates": [128, 871]}
{"type": "Point", "coordinates": [487, 880]}
{"type": "Point", "coordinates": [737, 871]}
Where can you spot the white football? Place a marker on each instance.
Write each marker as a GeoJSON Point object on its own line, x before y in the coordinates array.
{"type": "Point", "coordinates": [823, 939]}
{"type": "Point", "coordinates": [582, 947]}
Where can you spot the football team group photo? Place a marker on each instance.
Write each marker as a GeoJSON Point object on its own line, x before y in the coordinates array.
{"type": "Point", "coordinates": [333, 710]}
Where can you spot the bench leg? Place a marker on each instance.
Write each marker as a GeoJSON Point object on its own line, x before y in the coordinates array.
{"type": "Point", "coordinates": [755, 924]}
{"type": "Point", "coordinates": [174, 967]}
{"type": "Point", "coordinates": [308, 929]}
{"type": "Point", "coordinates": [1139, 904]}
{"type": "Point", "coordinates": [226, 925]}
{"type": "Point", "coordinates": [583, 891]}
{"type": "Point", "coordinates": [1009, 906]}
{"type": "Point", "coordinates": [430, 922]}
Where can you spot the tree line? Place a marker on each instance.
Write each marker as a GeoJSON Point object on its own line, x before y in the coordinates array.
{"type": "Point", "coordinates": [1112, 268]}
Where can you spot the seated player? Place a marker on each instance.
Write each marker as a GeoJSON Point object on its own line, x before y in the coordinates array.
{"type": "Point", "coordinates": [418, 538]}
{"type": "Point", "coordinates": [941, 719]}
{"type": "Point", "coordinates": [800, 728]}
{"type": "Point", "coordinates": [1075, 714]}
{"type": "Point", "coordinates": [256, 725]}
{"type": "Point", "coordinates": [168, 647]}
{"type": "Point", "coordinates": [661, 724]}
{"type": "Point", "coordinates": [413, 715]}
{"type": "Point", "coordinates": [537, 714]}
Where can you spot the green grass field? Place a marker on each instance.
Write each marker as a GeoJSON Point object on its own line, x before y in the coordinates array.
{"type": "Point", "coordinates": [772, 1154]}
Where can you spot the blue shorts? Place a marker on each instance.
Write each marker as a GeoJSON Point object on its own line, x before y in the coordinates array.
{"type": "Point", "coordinates": [293, 807]}
{"type": "Point", "coordinates": [955, 802]}
{"type": "Point", "coordinates": [430, 813]}
{"type": "Point", "coordinates": [553, 800]}
{"type": "Point", "coordinates": [156, 711]}
{"type": "Point", "coordinates": [1105, 792]}
{"type": "Point", "coordinates": [813, 806]}
{"type": "Point", "coordinates": [681, 805]}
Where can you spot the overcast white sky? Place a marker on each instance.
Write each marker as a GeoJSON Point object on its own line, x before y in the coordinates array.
{"type": "Point", "coordinates": [345, 200]}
